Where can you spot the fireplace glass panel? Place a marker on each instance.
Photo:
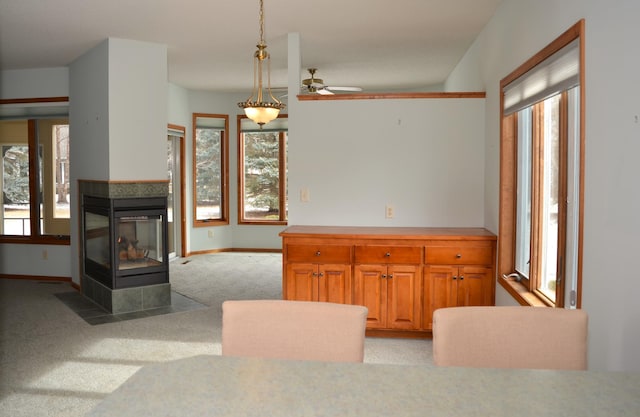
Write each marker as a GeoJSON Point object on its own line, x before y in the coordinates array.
{"type": "Point", "coordinates": [97, 239]}
{"type": "Point", "coordinates": [139, 241]}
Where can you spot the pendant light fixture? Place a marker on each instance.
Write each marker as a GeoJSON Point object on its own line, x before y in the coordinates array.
{"type": "Point", "coordinates": [255, 108]}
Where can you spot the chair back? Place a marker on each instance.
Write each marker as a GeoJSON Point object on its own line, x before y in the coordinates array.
{"type": "Point", "coordinates": [301, 330]}
{"type": "Point", "coordinates": [510, 337]}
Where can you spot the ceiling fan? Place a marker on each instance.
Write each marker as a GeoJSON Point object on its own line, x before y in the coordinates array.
{"type": "Point", "coordinates": [316, 85]}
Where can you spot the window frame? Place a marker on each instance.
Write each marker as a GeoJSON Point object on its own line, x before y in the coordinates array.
{"type": "Point", "coordinates": [224, 174]}
{"type": "Point", "coordinates": [282, 178]}
{"type": "Point", "coordinates": [525, 291]}
{"type": "Point", "coordinates": [36, 235]}
{"type": "Point", "coordinates": [52, 223]}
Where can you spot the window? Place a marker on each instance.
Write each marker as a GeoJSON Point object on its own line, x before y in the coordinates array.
{"type": "Point", "coordinates": [210, 169]}
{"type": "Point", "coordinates": [35, 179]}
{"type": "Point", "coordinates": [541, 176]}
{"type": "Point", "coordinates": [262, 166]}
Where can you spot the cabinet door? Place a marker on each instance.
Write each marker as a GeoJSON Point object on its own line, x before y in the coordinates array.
{"type": "Point", "coordinates": [334, 283]}
{"type": "Point", "coordinates": [300, 282]}
{"type": "Point", "coordinates": [474, 286]}
{"type": "Point", "coordinates": [440, 291]}
{"type": "Point", "coordinates": [403, 296]}
{"type": "Point", "coordinates": [370, 290]}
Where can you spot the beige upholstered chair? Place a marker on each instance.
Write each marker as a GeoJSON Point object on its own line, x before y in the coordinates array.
{"type": "Point", "coordinates": [510, 337]}
{"type": "Point", "coordinates": [293, 330]}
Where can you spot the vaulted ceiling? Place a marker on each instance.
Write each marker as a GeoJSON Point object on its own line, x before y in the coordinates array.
{"type": "Point", "coordinates": [379, 45]}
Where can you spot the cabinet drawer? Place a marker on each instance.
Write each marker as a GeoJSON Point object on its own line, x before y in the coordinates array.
{"type": "Point", "coordinates": [458, 255]}
{"type": "Point", "coordinates": [388, 254]}
{"type": "Point", "coordinates": [319, 253]}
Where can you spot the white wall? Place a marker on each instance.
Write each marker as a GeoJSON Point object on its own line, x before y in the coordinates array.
{"type": "Point", "coordinates": [35, 260]}
{"type": "Point", "coordinates": [137, 110]}
{"type": "Point", "coordinates": [422, 156]}
{"type": "Point", "coordinates": [89, 115]}
{"type": "Point", "coordinates": [612, 197]}
{"type": "Point", "coordinates": [34, 83]}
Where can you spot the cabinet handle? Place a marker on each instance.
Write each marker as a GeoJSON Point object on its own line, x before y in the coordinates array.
{"type": "Point", "coordinates": [321, 274]}
{"type": "Point", "coordinates": [384, 275]}
{"type": "Point", "coordinates": [390, 276]}
{"type": "Point", "coordinates": [455, 277]}
{"type": "Point", "coordinates": [458, 255]}
{"type": "Point", "coordinates": [315, 274]}
{"type": "Point", "coordinates": [317, 253]}
{"type": "Point", "coordinates": [461, 277]}
{"type": "Point", "coordinates": [388, 254]}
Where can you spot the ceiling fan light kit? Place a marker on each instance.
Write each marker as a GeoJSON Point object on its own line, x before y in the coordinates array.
{"type": "Point", "coordinates": [258, 110]}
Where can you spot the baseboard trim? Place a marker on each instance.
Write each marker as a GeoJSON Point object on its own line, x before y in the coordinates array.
{"type": "Point", "coordinates": [36, 278]}
{"type": "Point", "coordinates": [220, 250]}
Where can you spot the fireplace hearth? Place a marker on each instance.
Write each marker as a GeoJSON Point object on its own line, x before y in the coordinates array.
{"type": "Point", "coordinates": [124, 246]}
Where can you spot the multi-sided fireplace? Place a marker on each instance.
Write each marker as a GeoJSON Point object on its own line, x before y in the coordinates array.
{"type": "Point", "coordinates": [125, 241]}
{"type": "Point", "coordinates": [124, 248]}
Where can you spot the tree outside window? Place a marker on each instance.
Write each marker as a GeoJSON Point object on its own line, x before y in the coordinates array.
{"type": "Point", "coordinates": [262, 167]}
{"type": "Point", "coordinates": [210, 172]}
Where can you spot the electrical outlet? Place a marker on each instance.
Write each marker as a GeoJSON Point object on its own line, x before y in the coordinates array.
{"type": "Point", "coordinates": [45, 254]}
{"type": "Point", "coordinates": [210, 234]}
{"type": "Point", "coordinates": [389, 212]}
{"type": "Point", "coordinates": [304, 195]}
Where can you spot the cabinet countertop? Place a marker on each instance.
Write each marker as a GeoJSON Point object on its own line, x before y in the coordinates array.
{"type": "Point", "coordinates": [417, 233]}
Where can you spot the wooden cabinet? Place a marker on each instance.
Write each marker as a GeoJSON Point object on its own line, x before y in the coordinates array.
{"type": "Point", "coordinates": [457, 275]}
{"type": "Point", "coordinates": [401, 274]}
{"type": "Point", "coordinates": [387, 282]}
{"type": "Point", "coordinates": [318, 273]}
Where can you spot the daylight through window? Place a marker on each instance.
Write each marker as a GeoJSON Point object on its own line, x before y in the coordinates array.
{"type": "Point", "coordinates": [541, 175]}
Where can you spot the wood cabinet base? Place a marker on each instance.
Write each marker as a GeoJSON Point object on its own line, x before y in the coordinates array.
{"type": "Point", "coordinates": [401, 274]}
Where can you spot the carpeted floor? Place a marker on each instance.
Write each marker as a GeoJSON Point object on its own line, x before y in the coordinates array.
{"type": "Point", "coordinates": [53, 362]}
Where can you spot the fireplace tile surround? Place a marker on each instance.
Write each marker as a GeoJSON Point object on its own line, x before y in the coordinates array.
{"type": "Point", "coordinates": [135, 298]}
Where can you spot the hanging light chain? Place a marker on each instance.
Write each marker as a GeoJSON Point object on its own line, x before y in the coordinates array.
{"type": "Point", "coordinates": [262, 22]}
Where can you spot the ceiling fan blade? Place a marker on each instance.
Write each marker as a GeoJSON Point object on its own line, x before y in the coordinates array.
{"type": "Point", "coordinates": [343, 88]}
{"type": "Point", "coordinates": [324, 91]}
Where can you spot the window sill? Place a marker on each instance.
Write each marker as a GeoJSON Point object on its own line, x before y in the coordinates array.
{"type": "Point", "coordinates": [36, 240]}
{"type": "Point", "coordinates": [521, 293]}
{"type": "Point", "coordinates": [262, 223]}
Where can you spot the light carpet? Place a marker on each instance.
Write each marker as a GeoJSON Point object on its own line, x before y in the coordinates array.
{"type": "Point", "coordinates": [53, 363]}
